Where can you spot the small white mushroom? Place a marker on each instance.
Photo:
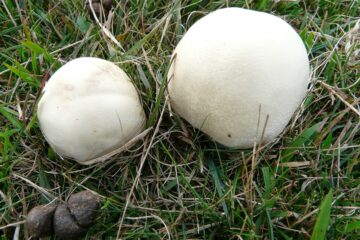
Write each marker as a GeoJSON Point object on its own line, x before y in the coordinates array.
{"type": "Point", "coordinates": [230, 63]}
{"type": "Point", "coordinates": [89, 107]}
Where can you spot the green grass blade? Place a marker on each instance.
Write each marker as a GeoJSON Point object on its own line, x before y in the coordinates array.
{"type": "Point", "coordinates": [267, 179]}
{"type": "Point", "coordinates": [13, 120]}
{"type": "Point", "coordinates": [43, 182]}
{"type": "Point", "coordinates": [302, 140]}
{"type": "Point", "coordinates": [22, 73]}
{"type": "Point", "coordinates": [352, 227]}
{"type": "Point", "coordinates": [218, 182]}
{"type": "Point", "coordinates": [322, 221]}
{"type": "Point", "coordinates": [38, 50]}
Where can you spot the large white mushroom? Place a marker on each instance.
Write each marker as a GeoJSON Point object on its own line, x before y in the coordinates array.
{"type": "Point", "coordinates": [232, 69]}
{"type": "Point", "coordinates": [89, 107]}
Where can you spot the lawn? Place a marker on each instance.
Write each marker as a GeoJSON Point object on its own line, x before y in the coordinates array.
{"type": "Point", "coordinates": [176, 183]}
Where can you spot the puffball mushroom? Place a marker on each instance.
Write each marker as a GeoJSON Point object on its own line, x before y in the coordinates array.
{"type": "Point", "coordinates": [232, 69]}
{"type": "Point", "coordinates": [89, 107]}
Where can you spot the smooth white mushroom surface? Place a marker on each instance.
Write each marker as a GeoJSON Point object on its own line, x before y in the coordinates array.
{"type": "Point", "coordinates": [89, 107]}
{"type": "Point", "coordinates": [233, 68]}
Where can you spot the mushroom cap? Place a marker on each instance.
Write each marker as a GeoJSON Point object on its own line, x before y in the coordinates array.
{"type": "Point", "coordinates": [233, 68]}
{"type": "Point", "coordinates": [89, 107]}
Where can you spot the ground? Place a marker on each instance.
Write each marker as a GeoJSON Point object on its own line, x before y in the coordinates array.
{"type": "Point", "coordinates": [177, 183]}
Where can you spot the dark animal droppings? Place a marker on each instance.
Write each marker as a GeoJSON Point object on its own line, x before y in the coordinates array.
{"type": "Point", "coordinates": [67, 221]}
{"type": "Point", "coordinates": [98, 6]}
{"type": "Point", "coordinates": [39, 221]}
{"type": "Point", "coordinates": [83, 206]}
{"type": "Point", "coordinates": [65, 226]}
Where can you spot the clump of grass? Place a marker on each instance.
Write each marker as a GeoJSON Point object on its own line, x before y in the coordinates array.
{"type": "Point", "coordinates": [166, 187]}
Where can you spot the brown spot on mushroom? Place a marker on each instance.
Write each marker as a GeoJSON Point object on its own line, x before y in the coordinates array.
{"type": "Point", "coordinates": [69, 87]}
{"type": "Point", "coordinates": [229, 135]}
{"type": "Point", "coordinates": [39, 221]}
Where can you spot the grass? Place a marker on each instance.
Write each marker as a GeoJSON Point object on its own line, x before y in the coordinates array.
{"type": "Point", "coordinates": [184, 185]}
